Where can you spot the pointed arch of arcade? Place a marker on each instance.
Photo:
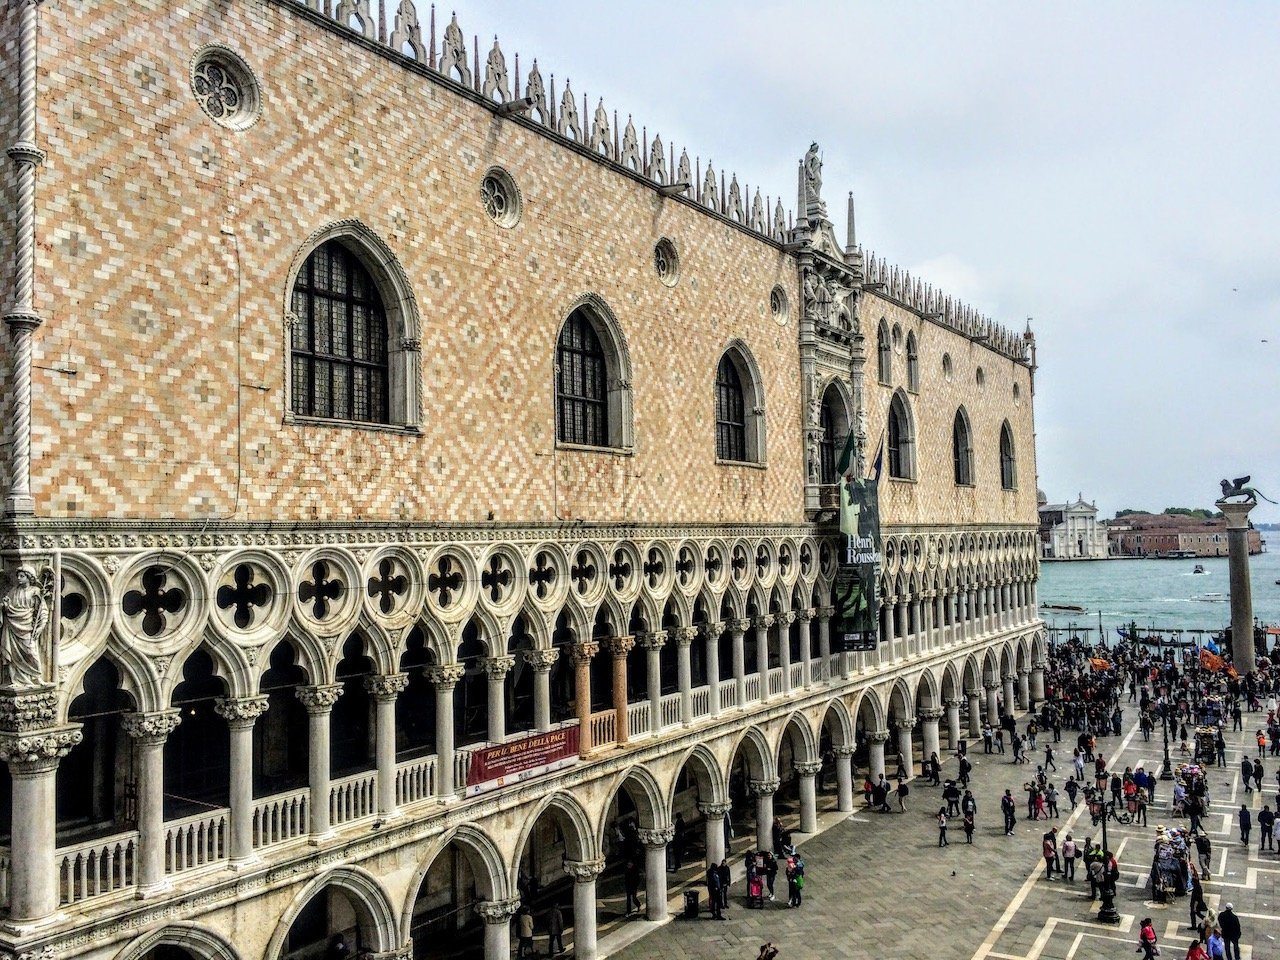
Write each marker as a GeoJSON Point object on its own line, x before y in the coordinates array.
{"type": "Point", "coordinates": [137, 677]}
{"type": "Point", "coordinates": [804, 745]}
{"type": "Point", "coordinates": [482, 856]}
{"type": "Point", "coordinates": [869, 699]}
{"type": "Point", "coordinates": [373, 909]}
{"type": "Point", "coordinates": [579, 837]}
{"type": "Point", "coordinates": [927, 692]}
{"type": "Point", "coordinates": [229, 664]}
{"type": "Point", "coordinates": [645, 793]}
{"type": "Point", "coordinates": [707, 773]}
{"type": "Point", "coordinates": [842, 728]}
{"type": "Point", "coordinates": [198, 942]}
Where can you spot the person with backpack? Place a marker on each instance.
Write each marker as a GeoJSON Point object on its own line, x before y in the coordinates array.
{"type": "Point", "coordinates": [795, 881]}
{"type": "Point", "coordinates": [1010, 810]}
{"type": "Point", "coordinates": [1147, 942]}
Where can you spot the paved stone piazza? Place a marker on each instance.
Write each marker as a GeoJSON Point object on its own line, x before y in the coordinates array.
{"type": "Point", "coordinates": [879, 886]}
{"type": "Point", "coordinates": [420, 492]}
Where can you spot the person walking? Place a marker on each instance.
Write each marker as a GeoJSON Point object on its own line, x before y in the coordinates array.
{"type": "Point", "coordinates": [1246, 774]}
{"type": "Point", "coordinates": [1072, 789]}
{"type": "Point", "coordinates": [942, 827]}
{"type": "Point", "coordinates": [969, 805]}
{"type": "Point", "coordinates": [966, 768]}
{"type": "Point", "coordinates": [524, 933]}
{"type": "Point", "coordinates": [1070, 853]}
{"type": "Point", "coordinates": [555, 931]}
{"type": "Point", "coordinates": [1147, 942]}
{"type": "Point", "coordinates": [1204, 852]}
{"type": "Point", "coordinates": [1266, 824]}
{"type": "Point", "coordinates": [1229, 924]}
{"type": "Point", "coordinates": [1077, 761]}
{"type": "Point", "coordinates": [1049, 850]}
{"type": "Point", "coordinates": [1246, 823]}
{"type": "Point", "coordinates": [1048, 758]}
{"type": "Point", "coordinates": [714, 892]}
{"type": "Point", "coordinates": [1257, 775]}
{"type": "Point", "coordinates": [1215, 945]}
{"type": "Point", "coordinates": [1010, 810]}
{"type": "Point", "coordinates": [951, 794]}
{"type": "Point", "coordinates": [968, 825]}
{"type": "Point", "coordinates": [1196, 906]}
{"type": "Point", "coordinates": [902, 792]}
{"type": "Point", "coordinates": [726, 878]}
{"type": "Point", "coordinates": [1051, 801]}
{"type": "Point", "coordinates": [631, 884]}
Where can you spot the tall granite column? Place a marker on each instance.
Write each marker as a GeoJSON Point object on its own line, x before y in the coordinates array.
{"type": "Point", "coordinates": [1243, 653]}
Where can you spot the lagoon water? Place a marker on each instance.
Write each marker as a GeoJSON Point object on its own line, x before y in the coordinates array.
{"type": "Point", "coordinates": [1156, 593]}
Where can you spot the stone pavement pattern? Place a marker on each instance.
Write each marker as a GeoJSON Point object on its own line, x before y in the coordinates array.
{"type": "Point", "coordinates": [878, 885]}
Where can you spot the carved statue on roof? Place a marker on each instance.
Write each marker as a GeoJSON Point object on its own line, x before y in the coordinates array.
{"type": "Point", "coordinates": [814, 206]}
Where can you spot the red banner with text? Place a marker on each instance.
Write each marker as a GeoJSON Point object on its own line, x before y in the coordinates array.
{"type": "Point", "coordinates": [522, 758]}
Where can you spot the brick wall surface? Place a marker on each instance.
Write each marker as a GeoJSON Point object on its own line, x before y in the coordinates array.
{"type": "Point", "coordinates": [159, 311]}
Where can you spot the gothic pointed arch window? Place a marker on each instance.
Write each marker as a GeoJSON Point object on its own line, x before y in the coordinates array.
{"type": "Point", "coordinates": [835, 433]}
{"type": "Point", "coordinates": [353, 356]}
{"type": "Point", "coordinates": [592, 381]}
{"type": "Point", "coordinates": [901, 439]}
{"type": "Point", "coordinates": [913, 363]}
{"type": "Point", "coordinates": [1008, 462]}
{"type": "Point", "coordinates": [962, 449]}
{"type": "Point", "coordinates": [739, 408]}
{"type": "Point", "coordinates": [884, 353]}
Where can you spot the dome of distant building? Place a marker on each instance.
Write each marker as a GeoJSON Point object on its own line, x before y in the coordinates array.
{"type": "Point", "coordinates": [1041, 499]}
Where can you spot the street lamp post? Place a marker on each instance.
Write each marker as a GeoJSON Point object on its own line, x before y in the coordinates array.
{"type": "Point", "coordinates": [1166, 773]}
{"type": "Point", "coordinates": [1107, 912]}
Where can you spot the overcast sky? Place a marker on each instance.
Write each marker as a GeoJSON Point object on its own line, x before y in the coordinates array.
{"type": "Point", "coordinates": [1112, 171]}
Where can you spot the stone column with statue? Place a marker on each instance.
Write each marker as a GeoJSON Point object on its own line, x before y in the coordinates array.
{"type": "Point", "coordinates": [1237, 499]}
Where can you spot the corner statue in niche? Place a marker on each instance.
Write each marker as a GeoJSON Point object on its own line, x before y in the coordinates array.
{"type": "Point", "coordinates": [24, 625]}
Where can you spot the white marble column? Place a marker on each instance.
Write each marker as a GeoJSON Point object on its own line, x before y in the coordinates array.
{"type": "Point", "coordinates": [497, 916]}
{"type": "Point", "coordinates": [384, 690]}
{"type": "Point", "coordinates": [713, 815]}
{"type": "Point", "coordinates": [762, 625]}
{"type": "Point", "coordinates": [149, 731]}
{"type": "Point", "coordinates": [953, 723]}
{"type": "Point", "coordinates": [783, 621]}
{"type": "Point", "coordinates": [711, 638]}
{"type": "Point", "coordinates": [1010, 694]}
{"type": "Point", "coordinates": [764, 791]}
{"type": "Point", "coordinates": [683, 637]}
{"type": "Point", "coordinates": [319, 701]}
{"type": "Point", "coordinates": [975, 713]}
{"type": "Point", "coordinates": [33, 767]}
{"type": "Point", "coordinates": [844, 779]}
{"type": "Point", "coordinates": [993, 702]}
{"type": "Point", "coordinates": [930, 742]}
{"type": "Point", "coordinates": [584, 874]}
{"type": "Point", "coordinates": [541, 661]}
{"type": "Point", "coordinates": [737, 632]}
{"type": "Point", "coordinates": [653, 644]}
{"type": "Point", "coordinates": [655, 871]}
{"type": "Point", "coordinates": [824, 641]}
{"type": "Point", "coordinates": [496, 669]}
{"type": "Point", "coordinates": [1037, 682]}
{"type": "Point", "coordinates": [808, 771]}
{"type": "Point", "coordinates": [1024, 689]}
{"type": "Point", "coordinates": [241, 714]}
{"type": "Point", "coordinates": [905, 746]}
{"type": "Point", "coordinates": [445, 678]}
{"type": "Point", "coordinates": [875, 753]}
{"type": "Point", "coordinates": [805, 619]}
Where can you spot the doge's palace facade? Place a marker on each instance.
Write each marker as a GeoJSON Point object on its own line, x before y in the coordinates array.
{"type": "Point", "coordinates": [419, 477]}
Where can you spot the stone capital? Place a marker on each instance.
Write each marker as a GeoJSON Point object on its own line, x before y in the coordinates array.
{"type": "Point", "coordinates": [740, 625]}
{"type": "Point", "coordinates": [844, 751]}
{"type": "Point", "coordinates": [659, 837]}
{"type": "Point", "coordinates": [24, 710]}
{"type": "Point", "coordinates": [804, 616]}
{"type": "Point", "coordinates": [990, 684]}
{"type": "Point", "coordinates": [496, 668]}
{"type": "Point", "coordinates": [683, 636]}
{"type": "Point", "coordinates": [399, 953]}
{"type": "Point", "coordinates": [619, 647]}
{"type": "Point", "coordinates": [878, 736]}
{"type": "Point", "coordinates": [386, 686]}
{"type": "Point", "coordinates": [1237, 514]}
{"type": "Point", "coordinates": [809, 768]}
{"type": "Point", "coordinates": [714, 629]}
{"type": "Point", "coordinates": [763, 622]}
{"type": "Point", "coordinates": [714, 811]}
{"type": "Point", "coordinates": [1040, 665]}
{"type": "Point", "coordinates": [583, 652]}
{"type": "Point", "coordinates": [542, 660]}
{"type": "Point", "coordinates": [826, 613]}
{"type": "Point", "coordinates": [653, 641]}
{"type": "Point", "coordinates": [905, 723]}
{"type": "Point", "coordinates": [1010, 678]}
{"type": "Point", "coordinates": [932, 715]}
{"type": "Point", "coordinates": [320, 698]}
{"type": "Point", "coordinates": [240, 711]}
{"type": "Point", "coordinates": [584, 871]}
{"type": "Point", "coordinates": [39, 751]}
{"type": "Point", "coordinates": [953, 703]}
{"type": "Point", "coordinates": [765, 787]}
{"type": "Point", "coordinates": [151, 727]}
{"type": "Point", "coordinates": [446, 675]}
{"type": "Point", "coordinates": [497, 911]}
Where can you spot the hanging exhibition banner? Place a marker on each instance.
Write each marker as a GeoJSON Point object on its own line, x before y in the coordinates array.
{"type": "Point", "coordinates": [522, 758]}
{"type": "Point", "coordinates": [854, 593]}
